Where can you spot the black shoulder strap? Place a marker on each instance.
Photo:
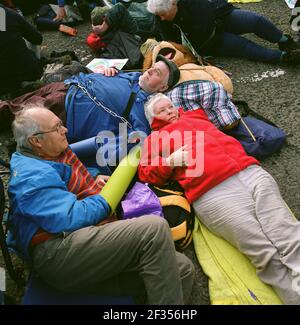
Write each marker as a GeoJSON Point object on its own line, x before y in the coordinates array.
{"type": "Point", "coordinates": [129, 105]}
{"type": "Point", "coordinates": [249, 111]}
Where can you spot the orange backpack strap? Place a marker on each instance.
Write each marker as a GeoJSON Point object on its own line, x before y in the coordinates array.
{"type": "Point", "coordinates": [168, 191]}
{"type": "Point", "coordinates": [179, 232]}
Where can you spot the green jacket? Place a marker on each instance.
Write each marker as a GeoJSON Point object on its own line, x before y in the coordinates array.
{"type": "Point", "coordinates": [133, 20]}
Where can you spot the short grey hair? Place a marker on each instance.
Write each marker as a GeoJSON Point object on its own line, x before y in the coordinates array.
{"type": "Point", "coordinates": [149, 105]}
{"type": "Point", "coordinates": [24, 126]}
{"type": "Point", "coordinates": [157, 7]}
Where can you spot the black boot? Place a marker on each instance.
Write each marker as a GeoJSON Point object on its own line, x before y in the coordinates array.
{"type": "Point", "coordinates": [289, 45]}
{"type": "Point", "coordinates": [291, 58]}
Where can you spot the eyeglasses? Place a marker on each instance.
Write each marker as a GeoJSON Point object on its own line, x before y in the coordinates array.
{"type": "Point", "coordinates": [57, 129]}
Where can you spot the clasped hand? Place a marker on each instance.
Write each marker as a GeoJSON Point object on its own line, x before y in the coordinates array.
{"type": "Point", "coordinates": [178, 158]}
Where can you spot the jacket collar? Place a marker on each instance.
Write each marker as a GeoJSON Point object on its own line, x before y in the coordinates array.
{"type": "Point", "coordinates": [29, 153]}
{"type": "Point", "coordinates": [158, 124]}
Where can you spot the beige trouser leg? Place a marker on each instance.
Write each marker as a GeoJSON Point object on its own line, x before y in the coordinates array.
{"type": "Point", "coordinates": [248, 211]}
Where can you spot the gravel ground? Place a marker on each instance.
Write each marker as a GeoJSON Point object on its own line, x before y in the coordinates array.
{"type": "Point", "coordinates": [271, 90]}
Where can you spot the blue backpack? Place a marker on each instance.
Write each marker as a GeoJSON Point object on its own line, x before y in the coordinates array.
{"type": "Point", "coordinates": [268, 137]}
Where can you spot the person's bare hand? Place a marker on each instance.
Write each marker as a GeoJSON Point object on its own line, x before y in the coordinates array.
{"type": "Point", "coordinates": [100, 29]}
{"type": "Point", "coordinates": [178, 158]}
{"type": "Point", "coordinates": [101, 180]}
{"type": "Point", "coordinates": [61, 14]}
{"type": "Point", "coordinates": [109, 72]}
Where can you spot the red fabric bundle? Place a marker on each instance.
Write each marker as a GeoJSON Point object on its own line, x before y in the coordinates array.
{"type": "Point", "coordinates": [95, 42]}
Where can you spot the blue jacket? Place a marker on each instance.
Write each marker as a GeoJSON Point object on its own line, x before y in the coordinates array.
{"type": "Point", "coordinates": [39, 198]}
{"type": "Point", "coordinates": [85, 119]}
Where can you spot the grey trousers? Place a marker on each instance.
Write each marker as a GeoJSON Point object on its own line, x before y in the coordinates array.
{"type": "Point", "coordinates": [124, 257]}
{"type": "Point", "coordinates": [248, 211]}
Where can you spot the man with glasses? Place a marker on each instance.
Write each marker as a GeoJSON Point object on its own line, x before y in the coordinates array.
{"type": "Point", "coordinates": [55, 207]}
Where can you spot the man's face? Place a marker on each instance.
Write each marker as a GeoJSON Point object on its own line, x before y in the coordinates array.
{"type": "Point", "coordinates": [169, 15]}
{"type": "Point", "coordinates": [155, 79]}
{"type": "Point", "coordinates": [53, 140]}
{"type": "Point", "coordinates": [165, 110]}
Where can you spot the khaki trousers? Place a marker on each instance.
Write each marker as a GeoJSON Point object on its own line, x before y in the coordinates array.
{"type": "Point", "coordinates": [124, 257]}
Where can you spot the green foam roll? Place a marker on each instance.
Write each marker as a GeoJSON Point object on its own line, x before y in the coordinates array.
{"type": "Point", "coordinates": [119, 181]}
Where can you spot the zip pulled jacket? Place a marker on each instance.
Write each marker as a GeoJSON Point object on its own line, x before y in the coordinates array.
{"type": "Point", "coordinates": [39, 198]}
{"type": "Point", "coordinates": [213, 155]}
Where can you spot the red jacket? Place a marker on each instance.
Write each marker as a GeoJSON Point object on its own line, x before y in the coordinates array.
{"type": "Point", "coordinates": [213, 155]}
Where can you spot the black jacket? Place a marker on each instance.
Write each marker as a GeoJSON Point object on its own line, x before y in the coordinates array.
{"type": "Point", "coordinates": [133, 19]}
{"type": "Point", "coordinates": [200, 20]}
{"type": "Point", "coordinates": [17, 62]}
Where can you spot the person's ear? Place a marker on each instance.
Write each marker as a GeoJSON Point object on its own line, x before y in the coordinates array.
{"type": "Point", "coordinates": [163, 88]}
{"type": "Point", "coordinates": [34, 142]}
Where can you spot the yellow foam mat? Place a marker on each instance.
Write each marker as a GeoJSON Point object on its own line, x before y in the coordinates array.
{"type": "Point", "coordinates": [119, 181]}
{"type": "Point", "coordinates": [232, 278]}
